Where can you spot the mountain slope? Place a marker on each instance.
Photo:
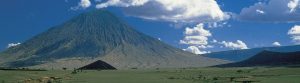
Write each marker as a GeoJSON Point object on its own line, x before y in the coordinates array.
{"type": "Point", "coordinates": [240, 55]}
{"type": "Point", "coordinates": [98, 35]}
{"type": "Point", "coordinates": [268, 58]}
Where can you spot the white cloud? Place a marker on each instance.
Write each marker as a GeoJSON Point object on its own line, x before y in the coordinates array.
{"type": "Point", "coordinates": [293, 5]}
{"type": "Point", "coordinates": [260, 11]}
{"type": "Point", "coordinates": [272, 11]}
{"type": "Point", "coordinates": [214, 41]}
{"type": "Point", "coordinates": [13, 45]}
{"type": "Point", "coordinates": [276, 44]}
{"type": "Point", "coordinates": [205, 46]}
{"type": "Point", "coordinates": [83, 4]}
{"type": "Point", "coordinates": [195, 11]}
{"type": "Point", "coordinates": [196, 36]}
{"type": "Point", "coordinates": [195, 50]}
{"type": "Point", "coordinates": [294, 32]}
{"type": "Point", "coordinates": [217, 24]}
{"type": "Point", "coordinates": [121, 3]}
{"type": "Point", "coordinates": [235, 45]}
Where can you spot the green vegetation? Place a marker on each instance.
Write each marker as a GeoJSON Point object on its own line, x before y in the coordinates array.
{"type": "Point", "coordinates": [188, 75]}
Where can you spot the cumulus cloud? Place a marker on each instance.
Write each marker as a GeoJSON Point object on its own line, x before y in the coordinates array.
{"type": "Point", "coordinates": [195, 50]}
{"type": "Point", "coordinates": [235, 45]}
{"type": "Point", "coordinates": [83, 4]}
{"type": "Point", "coordinates": [197, 11]}
{"type": "Point", "coordinates": [272, 11]}
{"type": "Point", "coordinates": [294, 32]}
{"type": "Point", "coordinates": [196, 38]}
{"type": "Point", "coordinates": [13, 45]}
{"type": "Point", "coordinates": [276, 44]}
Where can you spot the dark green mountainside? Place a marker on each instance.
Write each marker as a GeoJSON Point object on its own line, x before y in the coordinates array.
{"type": "Point", "coordinates": [98, 35]}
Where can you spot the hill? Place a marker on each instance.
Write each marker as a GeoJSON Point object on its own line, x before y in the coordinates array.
{"type": "Point", "coordinates": [98, 65]}
{"type": "Point", "coordinates": [240, 55]}
{"type": "Point", "coordinates": [268, 58]}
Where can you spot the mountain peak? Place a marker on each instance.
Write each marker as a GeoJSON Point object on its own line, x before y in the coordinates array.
{"type": "Point", "coordinates": [98, 16]}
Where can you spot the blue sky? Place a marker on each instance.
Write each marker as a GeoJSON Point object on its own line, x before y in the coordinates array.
{"type": "Point", "coordinates": [22, 19]}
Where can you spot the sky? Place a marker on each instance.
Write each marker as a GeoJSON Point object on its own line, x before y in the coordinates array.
{"type": "Point", "coordinates": [198, 26]}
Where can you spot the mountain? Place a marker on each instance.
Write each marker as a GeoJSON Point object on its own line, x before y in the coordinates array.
{"type": "Point", "coordinates": [98, 35]}
{"type": "Point", "coordinates": [240, 55]}
{"type": "Point", "coordinates": [268, 58]}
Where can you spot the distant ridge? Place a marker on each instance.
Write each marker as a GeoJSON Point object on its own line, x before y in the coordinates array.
{"type": "Point", "coordinates": [240, 55]}
{"type": "Point", "coordinates": [99, 35]}
{"type": "Point", "coordinates": [268, 58]}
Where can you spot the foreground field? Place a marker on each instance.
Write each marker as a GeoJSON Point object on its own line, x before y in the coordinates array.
{"type": "Point", "coordinates": [191, 75]}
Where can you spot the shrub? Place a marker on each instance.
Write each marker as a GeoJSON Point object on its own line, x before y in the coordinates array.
{"type": "Point", "coordinates": [171, 78]}
{"type": "Point", "coordinates": [134, 68]}
{"type": "Point", "coordinates": [215, 78]}
{"type": "Point", "coordinates": [239, 71]}
{"type": "Point", "coordinates": [64, 68]}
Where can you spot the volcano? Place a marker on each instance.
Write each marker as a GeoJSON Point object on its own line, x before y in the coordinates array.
{"type": "Point", "coordinates": [99, 35]}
